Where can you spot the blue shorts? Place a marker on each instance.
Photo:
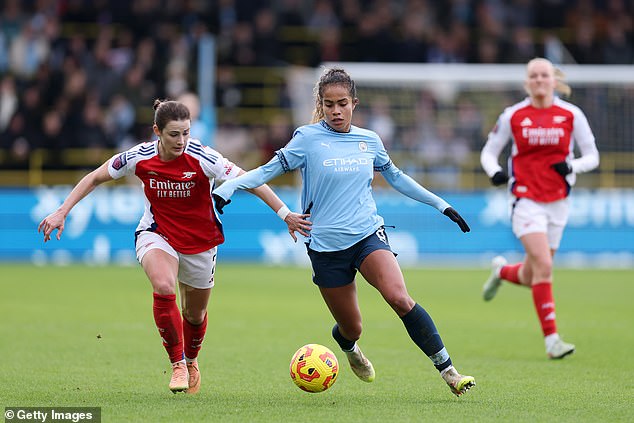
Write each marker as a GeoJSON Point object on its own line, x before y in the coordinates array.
{"type": "Point", "coordinates": [332, 269]}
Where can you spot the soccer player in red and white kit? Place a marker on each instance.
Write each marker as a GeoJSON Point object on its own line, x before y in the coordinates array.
{"type": "Point", "coordinates": [178, 235]}
{"type": "Point", "coordinates": [542, 167]}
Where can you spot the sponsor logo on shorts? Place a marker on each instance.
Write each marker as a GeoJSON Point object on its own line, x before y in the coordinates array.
{"type": "Point", "coordinates": [381, 235]}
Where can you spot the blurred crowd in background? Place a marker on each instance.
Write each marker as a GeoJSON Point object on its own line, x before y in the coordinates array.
{"type": "Point", "coordinates": [84, 73]}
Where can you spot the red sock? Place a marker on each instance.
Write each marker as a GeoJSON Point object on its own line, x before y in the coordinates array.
{"type": "Point", "coordinates": [511, 273]}
{"type": "Point", "coordinates": [193, 336]}
{"type": "Point", "coordinates": [545, 306]}
{"type": "Point", "coordinates": [170, 327]}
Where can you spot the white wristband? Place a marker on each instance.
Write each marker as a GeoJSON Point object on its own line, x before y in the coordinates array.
{"type": "Point", "coordinates": [283, 212]}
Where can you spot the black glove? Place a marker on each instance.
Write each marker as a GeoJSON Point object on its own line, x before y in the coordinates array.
{"type": "Point", "coordinates": [562, 168]}
{"type": "Point", "coordinates": [452, 214]}
{"type": "Point", "coordinates": [220, 202]}
{"type": "Point", "coordinates": [500, 178]}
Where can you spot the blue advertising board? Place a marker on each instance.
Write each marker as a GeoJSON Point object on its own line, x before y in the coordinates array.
{"type": "Point", "coordinates": [100, 229]}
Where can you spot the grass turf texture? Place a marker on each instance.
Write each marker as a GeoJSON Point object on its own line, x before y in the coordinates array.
{"type": "Point", "coordinates": [84, 336]}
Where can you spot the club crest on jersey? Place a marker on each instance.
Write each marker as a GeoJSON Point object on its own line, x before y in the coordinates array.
{"type": "Point", "coordinates": [559, 119]}
{"type": "Point", "coordinates": [188, 175]}
{"type": "Point", "coordinates": [363, 146]}
{"type": "Point", "coordinates": [119, 161]}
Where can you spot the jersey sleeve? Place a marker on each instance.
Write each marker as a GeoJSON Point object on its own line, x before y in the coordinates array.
{"type": "Point", "coordinates": [382, 159]}
{"type": "Point", "coordinates": [409, 187]}
{"type": "Point", "coordinates": [122, 164]}
{"type": "Point", "coordinates": [215, 165]}
{"type": "Point", "coordinates": [402, 182]}
{"type": "Point", "coordinates": [584, 138]}
{"type": "Point", "coordinates": [497, 139]}
{"type": "Point", "coordinates": [293, 155]}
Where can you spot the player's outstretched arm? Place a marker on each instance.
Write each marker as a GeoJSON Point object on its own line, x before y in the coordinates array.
{"type": "Point", "coordinates": [255, 182]}
{"type": "Point", "coordinates": [408, 186]}
{"type": "Point", "coordinates": [251, 179]}
{"type": "Point", "coordinates": [84, 187]}
{"type": "Point", "coordinates": [295, 222]}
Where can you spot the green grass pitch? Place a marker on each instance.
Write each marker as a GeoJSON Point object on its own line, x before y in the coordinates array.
{"type": "Point", "coordinates": [85, 336]}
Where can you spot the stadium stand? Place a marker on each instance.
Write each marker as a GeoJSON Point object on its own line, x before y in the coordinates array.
{"type": "Point", "coordinates": [77, 78]}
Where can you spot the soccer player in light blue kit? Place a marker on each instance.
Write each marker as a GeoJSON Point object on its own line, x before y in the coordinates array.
{"type": "Point", "coordinates": [337, 162]}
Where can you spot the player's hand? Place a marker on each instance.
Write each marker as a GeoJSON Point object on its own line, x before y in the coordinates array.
{"type": "Point", "coordinates": [452, 214]}
{"type": "Point", "coordinates": [500, 178]}
{"type": "Point", "coordinates": [51, 222]}
{"type": "Point", "coordinates": [562, 168]}
{"type": "Point", "coordinates": [220, 202]}
{"type": "Point", "coordinates": [298, 223]}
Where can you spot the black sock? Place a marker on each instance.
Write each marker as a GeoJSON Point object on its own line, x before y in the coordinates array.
{"type": "Point", "coordinates": [345, 344]}
{"type": "Point", "coordinates": [422, 330]}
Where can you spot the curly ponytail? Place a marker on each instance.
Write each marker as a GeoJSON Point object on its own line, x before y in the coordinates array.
{"type": "Point", "coordinates": [331, 76]}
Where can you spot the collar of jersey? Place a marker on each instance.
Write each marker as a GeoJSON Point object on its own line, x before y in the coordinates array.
{"type": "Point", "coordinates": [328, 127]}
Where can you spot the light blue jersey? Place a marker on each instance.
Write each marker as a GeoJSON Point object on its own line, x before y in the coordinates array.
{"type": "Point", "coordinates": [337, 170]}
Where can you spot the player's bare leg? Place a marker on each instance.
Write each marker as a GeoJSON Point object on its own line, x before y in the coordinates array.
{"type": "Point", "coordinates": [382, 271]}
{"type": "Point", "coordinates": [343, 305]}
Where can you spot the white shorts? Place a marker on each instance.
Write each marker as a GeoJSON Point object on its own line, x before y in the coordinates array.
{"type": "Point", "coordinates": [528, 216]}
{"type": "Point", "coordinates": [195, 270]}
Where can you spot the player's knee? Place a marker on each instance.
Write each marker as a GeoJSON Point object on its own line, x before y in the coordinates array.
{"type": "Point", "coordinates": [401, 303]}
{"type": "Point", "coordinates": [543, 268]}
{"type": "Point", "coordinates": [164, 286]}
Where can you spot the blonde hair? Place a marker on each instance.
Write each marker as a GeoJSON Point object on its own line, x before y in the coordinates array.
{"type": "Point", "coordinates": [560, 78]}
{"type": "Point", "coordinates": [331, 76]}
{"type": "Point", "coordinates": [561, 86]}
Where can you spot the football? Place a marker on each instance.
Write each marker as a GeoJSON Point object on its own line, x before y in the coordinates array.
{"type": "Point", "coordinates": [314, 368]}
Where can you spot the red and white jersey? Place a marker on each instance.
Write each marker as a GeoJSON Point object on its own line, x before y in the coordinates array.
{"type": "Point", "coordinates": [541, 137]}
{"type": "Point", "coordinates": [178, 203]}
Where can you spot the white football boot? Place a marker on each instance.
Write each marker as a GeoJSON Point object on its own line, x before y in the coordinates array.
{"type": "Point", "coordinates": [492, 284]}
{"type": "Point", "coordinates": [559, 349]}
{"type": "Point", "coordinates": [360, 365]}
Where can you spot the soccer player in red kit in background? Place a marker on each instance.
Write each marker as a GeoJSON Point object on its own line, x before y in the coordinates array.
{"type": "Point", "coordinates": [542, 169]}
{"type": "Point", "coordinates": [178, 235]}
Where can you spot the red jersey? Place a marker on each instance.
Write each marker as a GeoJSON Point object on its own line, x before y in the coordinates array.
{"type": "Point", "coordinates": [541, 137]}
{"type": "Point", "coordinates": [178, 203]}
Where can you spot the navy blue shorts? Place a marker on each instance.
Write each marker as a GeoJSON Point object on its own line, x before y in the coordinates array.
{"type": "Point", "coordinates": [332, 269]}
